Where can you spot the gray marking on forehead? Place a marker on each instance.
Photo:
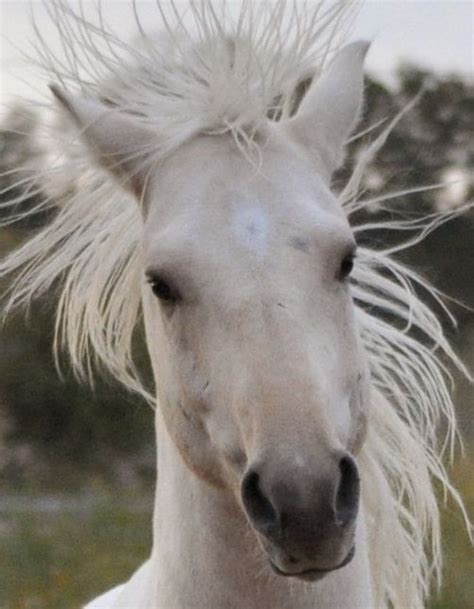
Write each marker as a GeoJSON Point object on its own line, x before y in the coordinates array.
{"type": "Point", "coordinates": [250, 226]}
{"type": "Point", "coordinates": [299, 244]}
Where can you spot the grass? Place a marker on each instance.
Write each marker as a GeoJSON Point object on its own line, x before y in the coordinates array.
{"type": "Point", "coordinates": [458, 582]}
{"type": "Point", "coordinates": [58, 555]}
{"type": "Point", "coordinates": [61, 558]}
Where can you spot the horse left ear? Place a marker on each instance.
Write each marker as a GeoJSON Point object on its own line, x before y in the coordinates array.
{"type": "Point", "coordinates": [331, 108]}
{"type": "Point", "coordinates": [116, 140]}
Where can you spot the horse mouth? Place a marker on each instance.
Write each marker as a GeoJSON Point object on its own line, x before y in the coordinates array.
{"type": "Point", "coordinates": [312, 575]}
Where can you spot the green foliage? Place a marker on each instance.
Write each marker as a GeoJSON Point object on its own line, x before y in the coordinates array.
{"type": "Point", "coordinates": [433, 144]}
{"type": "Point", "coordinates": [60, 422]}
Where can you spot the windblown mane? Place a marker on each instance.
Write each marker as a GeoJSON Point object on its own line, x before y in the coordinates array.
{"type": "Point", "coordinates": [214, 74]}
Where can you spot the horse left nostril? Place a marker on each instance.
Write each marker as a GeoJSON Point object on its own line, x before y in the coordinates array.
{"type": "Point", "coordinates": [348, 492]}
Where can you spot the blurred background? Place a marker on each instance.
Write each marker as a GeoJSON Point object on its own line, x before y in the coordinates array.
{"type": "Point", "coordinates": [77, 464]}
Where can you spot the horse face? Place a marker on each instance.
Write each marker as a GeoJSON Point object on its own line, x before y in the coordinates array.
{"type": "Point", "coordinates": [250, 323]}
{"type": "Point", "coordinates": [251, 331]}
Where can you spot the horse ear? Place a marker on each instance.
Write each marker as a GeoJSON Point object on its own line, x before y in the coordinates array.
{"type": "Point", "coordinates": [332, 106]}
{"type": "Point", "coordinates": [116, 140]}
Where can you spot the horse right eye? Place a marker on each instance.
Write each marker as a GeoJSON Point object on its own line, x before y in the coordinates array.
{"type": "Point", "coordinates": [163, 290]}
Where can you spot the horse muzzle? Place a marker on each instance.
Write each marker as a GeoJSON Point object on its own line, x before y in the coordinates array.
{"type": "Point", "coordinates": [305, 522]}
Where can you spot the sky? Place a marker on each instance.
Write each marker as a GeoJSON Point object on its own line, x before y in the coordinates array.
{"type": "Point", "coordinates": [436, 34]}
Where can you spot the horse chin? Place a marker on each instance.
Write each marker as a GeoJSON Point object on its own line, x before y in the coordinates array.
{"type": "Point", "coordinates": [315, 574]}
{"type": "Point", "coordinates": [310, 576]}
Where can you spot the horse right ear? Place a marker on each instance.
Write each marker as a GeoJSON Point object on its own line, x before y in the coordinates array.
{"type": "Point", "coordinates": [116, 140]}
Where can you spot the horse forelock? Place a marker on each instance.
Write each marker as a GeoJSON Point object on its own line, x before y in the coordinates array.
{"type": "Point", "coordinates": [207, 70]}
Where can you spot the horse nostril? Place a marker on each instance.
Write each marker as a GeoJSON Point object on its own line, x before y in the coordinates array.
{"type": "Point", "coordinates": [347, 496]}
{"type": "Point", "coordinates": [259, 508]}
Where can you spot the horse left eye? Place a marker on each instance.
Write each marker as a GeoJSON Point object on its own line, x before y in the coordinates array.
{"type": "Point", "coordinates": [347, 266]}
{"type": "Point", "coordinates": [163, 290]}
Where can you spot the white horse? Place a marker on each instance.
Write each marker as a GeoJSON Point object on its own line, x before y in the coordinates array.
{"type": "Point", "coordinates": [296, 426]}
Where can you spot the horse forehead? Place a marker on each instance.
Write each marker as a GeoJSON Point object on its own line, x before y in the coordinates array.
{"type": "Point", "coordinates": [220, 195]}
{"type": "Point", "coordinates": [257, 224]}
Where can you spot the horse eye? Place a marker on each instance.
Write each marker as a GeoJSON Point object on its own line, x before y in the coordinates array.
{"type": "Point", "coordinates": [347, 266]}
{"type": "Point", "coordinates": [162, 290]}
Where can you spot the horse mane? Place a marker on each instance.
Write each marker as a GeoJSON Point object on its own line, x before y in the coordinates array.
{"type": "Point", "coordinates": [206, 75]}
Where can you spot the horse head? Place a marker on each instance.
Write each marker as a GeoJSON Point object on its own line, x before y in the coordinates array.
{"type": "Point", "coordinates": [248, 311]}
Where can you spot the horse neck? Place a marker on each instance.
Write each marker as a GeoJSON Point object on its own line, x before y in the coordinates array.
{"type": "Point", "coordinates": [206, 556]}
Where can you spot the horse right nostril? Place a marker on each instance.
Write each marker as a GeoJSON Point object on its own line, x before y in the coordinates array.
{"type": "Point", "coordinates": [347, 497]}
{"type": "Point", "coordinates": [259, 508]}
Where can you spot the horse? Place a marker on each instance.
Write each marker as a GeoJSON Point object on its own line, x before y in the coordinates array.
{"type": "Point", "coordinates": [300, 377]}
